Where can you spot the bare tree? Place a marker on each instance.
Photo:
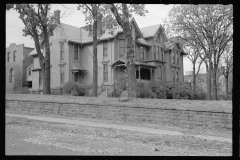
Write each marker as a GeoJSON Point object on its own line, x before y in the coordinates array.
{"type": "Point", "coordinates": [210, 26]}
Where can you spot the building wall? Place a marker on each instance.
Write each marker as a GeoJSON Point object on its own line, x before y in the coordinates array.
{"type": "Point", "coordinates": [16, 65]}
{"type": "Point", "coordinates": [87, 62]}
{"type": "Point", "coordinates": [35, 80]}
{"type": "Point", "coordinates": [27, 60]}
{"type": "Point", "coordinates": [168, 68]}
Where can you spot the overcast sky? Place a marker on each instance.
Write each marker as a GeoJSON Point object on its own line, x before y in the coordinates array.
{"type": "Point", "coordinates": [70, 15]}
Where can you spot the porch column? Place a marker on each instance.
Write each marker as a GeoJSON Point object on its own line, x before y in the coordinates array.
{"type": "Point", "coordinates": [139, 68]}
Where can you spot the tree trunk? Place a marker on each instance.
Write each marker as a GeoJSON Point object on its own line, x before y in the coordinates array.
{"type": "Point", "coordinates": [227, 87]}
{"type": "Point", "coordinates": [132, 86]}
{"type": "Point", "coordinates": [194, 78]}
{"type": "Point", "coordinates": [124, 23]}
{"type": "Point", "coordinates": [46, 77]}
{"type": "Point", "coordinates": [215, 80]}
{"type": "Point", "coordinates": [208, 68]}
{"type": "Point", "coordinates": [95, 65]}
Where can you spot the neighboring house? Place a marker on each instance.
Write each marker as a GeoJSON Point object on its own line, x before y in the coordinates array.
{"type": "Point", "coordinates": [17, 60]}
{"type": "Point", "coordinates": [201, 80]}
{"type": "Point", "coordinates": [72, 51]}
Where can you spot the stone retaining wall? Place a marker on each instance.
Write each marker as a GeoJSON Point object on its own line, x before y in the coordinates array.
{"type": "Point", "coordinates": [217, 120]}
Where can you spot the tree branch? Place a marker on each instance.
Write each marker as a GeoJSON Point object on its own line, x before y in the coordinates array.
{"type": "Point", "coordinates": [88, 7]}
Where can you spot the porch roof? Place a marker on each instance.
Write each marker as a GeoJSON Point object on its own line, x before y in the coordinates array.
{"type": "Point", "coordinates": [120, 60]}
{"type": "Point", "coordinates": [144, 64]}
{"type": "Point", "coordinates": [77, 67]}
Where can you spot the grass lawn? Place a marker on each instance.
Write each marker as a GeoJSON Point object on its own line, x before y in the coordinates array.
{"type": "Point", "coordinates": [202, 105]}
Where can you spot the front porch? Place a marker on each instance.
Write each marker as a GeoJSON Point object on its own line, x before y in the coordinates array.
{"type": "Point", "coordinates": [145, 73]}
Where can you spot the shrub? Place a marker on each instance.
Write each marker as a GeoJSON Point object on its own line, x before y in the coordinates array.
{"type": "Point", "coordinates": [161, 91]}
{"type": "Point", "coordinates": [199, 95]}
{"type": "Point", "coordinates": [23, 90]}
{"type": "Point", "coordinates": [145, 92]}
{"type": "Point", "coordinates": [74, 92]}
{"type": "Point", "coordinates": [182, 92]}
{"type": "Point", "coordinates": [121, 86]}
{"type": "Point", "coordinates": [76, 89]}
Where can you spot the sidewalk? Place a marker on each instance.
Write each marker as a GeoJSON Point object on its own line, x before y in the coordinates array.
{"type": "Point", "coordinates": [116, 126]}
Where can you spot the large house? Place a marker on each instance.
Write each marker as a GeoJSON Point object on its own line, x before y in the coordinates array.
{"type": "Point", "coordinates": [72, 52]}
{"type": "Point", "coordinates": [18, 61]}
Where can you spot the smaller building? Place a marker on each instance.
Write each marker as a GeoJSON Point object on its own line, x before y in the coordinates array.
{"type": "Point", "coordinates": [17, 66]}
{"type": "Point", "coordinates": [201, 79]}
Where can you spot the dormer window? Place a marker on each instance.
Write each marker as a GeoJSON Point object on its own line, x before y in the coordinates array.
{"type": "Point", "coordinates": [14, 56]}
{"type": "Point", "coordinates": [158, 37]}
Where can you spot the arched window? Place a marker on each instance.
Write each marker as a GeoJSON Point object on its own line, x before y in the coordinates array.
{"type": "Point", "coordinates": [11, 76]}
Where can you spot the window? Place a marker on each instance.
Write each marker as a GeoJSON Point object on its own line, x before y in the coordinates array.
{"type": "Point", "coordinates": [162, 53]}
{"type": "Point", "coordinates": [142, 52]}
{"type": "Point", "coordinates": [40, 78]}
{"type": "Point", "coordinates": [177, 76]}
{"type": "Point", "coordinates": [154, 52]}
{"type": "Point", "coordinates": [173, 76]}
{"type": "Point", "coordinates": [76, 77]}
{"type": "Point", "coordinates": [158, 37]}
{"type": "Point", "coordinates": [145, 74]}
{"type": "Point", "coordinates": [121, 47]}
{"type": "Point", "coordinates": [75, 52]}
{"type": "Point", "coordinates": [105, 54]}
{"type": "Point", "coordinates": [62, 74]}
{"type": "Point", "coordinates": [158, 53]}
{"type": "Point", "coordinates": [11, 76]}
{"type": "Point", "coordinates": [14, 56]}
{"type": "Point", "coordinates": [29, 71]}
{"type": "Point", "coordinates": [172, 57]}
{"type": "Point", "coordinates": [160, 72]}
{"type": "Point", "coordinates": [177, 58]}
{"type": "Point", "coordinates": [8, 56]}
{"type": "Point", "coordinates": [62, 51]}
{"type": "Point", "coordinates": [105, 73]}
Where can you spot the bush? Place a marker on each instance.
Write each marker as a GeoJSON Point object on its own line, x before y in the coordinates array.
{"type": "Point", "coordinates": [23, 90]}
{"type": "Point", "coordinates": [182, 92]}
{"type": "Point", "coordinates": [76, 89]}
{"type": "Point", "coordinates": [199, 95]}
{"type": "Point", "coordinates": [161, 91]}
{"type": "Point", "coordinates": [145, 92]}
{"type": "Point", "coordinates": [121, 86]}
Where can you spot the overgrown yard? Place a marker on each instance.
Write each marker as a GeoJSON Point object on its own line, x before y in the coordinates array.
{"type": "Point", "coordinates": [45, 138]}
{"type": "Point", "coordinates": [217, 106]}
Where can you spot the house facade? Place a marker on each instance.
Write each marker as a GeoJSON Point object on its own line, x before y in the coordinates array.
{"type": "Point", "coordinates": [18, 61]}
{"type": "Point", "coordinates": [72, 52]}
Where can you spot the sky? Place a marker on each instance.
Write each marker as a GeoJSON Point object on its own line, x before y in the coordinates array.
{"type": "Point", "coordinates": [70, 15]}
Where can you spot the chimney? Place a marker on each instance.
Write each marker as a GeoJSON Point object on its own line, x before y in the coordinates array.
{"type": "Point", "coordinates": [57, 16]}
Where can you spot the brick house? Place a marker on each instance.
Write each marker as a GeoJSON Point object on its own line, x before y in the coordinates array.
{"type": "Point", "coordinates": [17, 60]}
{"type": "Point", "coordinates": [72, 50]}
